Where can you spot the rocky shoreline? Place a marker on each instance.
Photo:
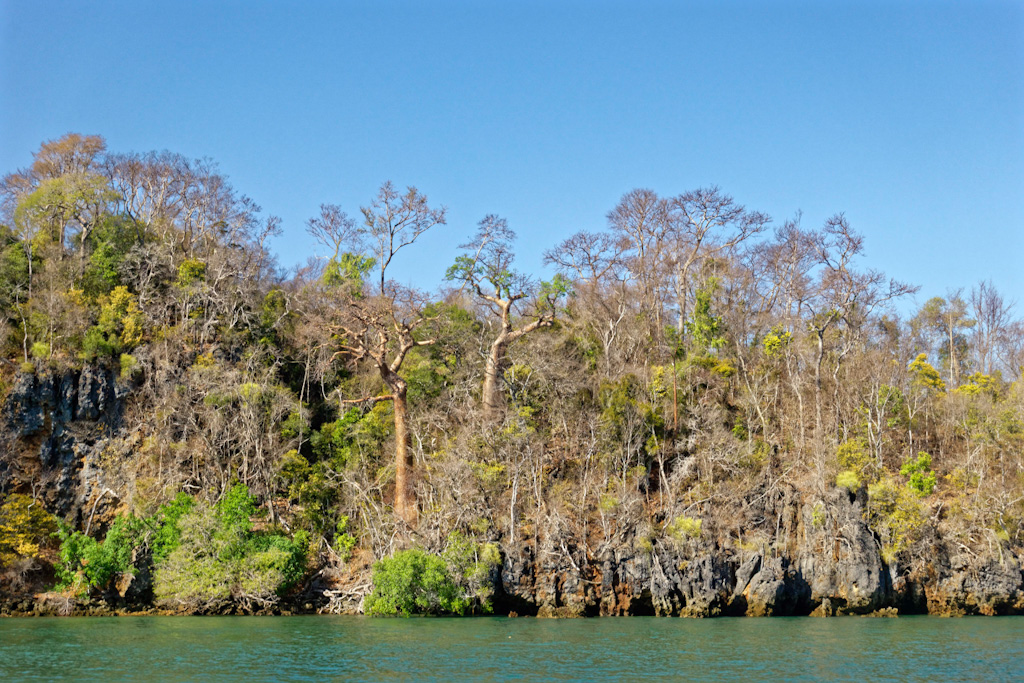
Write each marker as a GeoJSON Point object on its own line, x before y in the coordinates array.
{"type": "Point", "coordinates": [820, 560]}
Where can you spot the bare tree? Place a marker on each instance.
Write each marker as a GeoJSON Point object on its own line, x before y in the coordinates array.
{"type": "Point", "coordinates": [595, 262]}
{"type": "Point", "coordinates": [993, 317]}
{"type": "Point", "coordinates": [702, 224]}
{"type": "Point", "coordinates": [640, 222]}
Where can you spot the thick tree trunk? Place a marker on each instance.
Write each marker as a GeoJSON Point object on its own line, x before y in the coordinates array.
{"type": "Point", "coordinates": [405, 493]}
{"type": "Point", "coordinates": [492, 399]}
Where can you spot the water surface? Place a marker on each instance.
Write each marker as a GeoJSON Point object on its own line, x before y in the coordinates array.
{"type": "Point", "coordinates": [501, 649]}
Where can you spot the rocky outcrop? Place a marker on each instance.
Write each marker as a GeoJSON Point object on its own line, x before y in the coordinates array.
{"type": "Point", "coordinates": [61, 423]}
{"type": "Point", "coordinates": [970, 585]}
{"type": "Point", "coordinates": [824, 561]}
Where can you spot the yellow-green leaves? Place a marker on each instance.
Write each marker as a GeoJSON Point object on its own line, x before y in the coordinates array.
{"type": "Point", "coordinates": [25, 527]}
{"type": "Point", "coordinates": [776, 341]}
{"type": "Point", "coordinates": [925, 375]}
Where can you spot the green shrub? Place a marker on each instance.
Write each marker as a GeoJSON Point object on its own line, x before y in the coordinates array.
{"type": "Point", "coordinates": [471, 564]}
{"type": "Point", "coordinates": [40, 351]}
{"type": "Point", "coordinates": [818, 515]}
{"type": "Point", "coordinates": [918, 471]}
{"type": "Point", "coordinates": [413, 582]}
{"type": "Point", "coordinates": [210, 555]}
{"type": "Point", "coordinates": [683, 527]}
{"type": "Point", "coordinates": [129, 366]}
{"type": "Point", "coordinates": [848, 479]}
{"type": "Point", "coordinates": [119, 328]}
{"type": "Point", "coordinates": [895, 514]}
{"type": "Point", "coordinates": [167, 536]}
{"type": "Point", "coordinates": [112, 238]}
{"type": "Point", "coordinates": [853, 455]}
{"type": "Point", "coordinates": [86, 563]}
{"type": "Point", "coordinates": [344, 542]}
{"type": "Point", "coordinates": [191, 272]}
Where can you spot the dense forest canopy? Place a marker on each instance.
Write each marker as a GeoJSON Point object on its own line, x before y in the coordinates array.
{"type": "Point", "coordinates": [686, 358]}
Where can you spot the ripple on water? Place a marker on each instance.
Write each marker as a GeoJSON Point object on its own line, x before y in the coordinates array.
{"type": "Point", "coordinates": [501, 649]}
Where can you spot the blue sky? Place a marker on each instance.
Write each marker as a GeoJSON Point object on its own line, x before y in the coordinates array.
{"type": "Point", "coordinates": [907, 116]}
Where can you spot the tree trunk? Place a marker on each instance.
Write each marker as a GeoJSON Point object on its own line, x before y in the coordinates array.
{"type": "Point", "coordinates": [405, 493]}
{"type": "Point", "coordinates": [492, 399]}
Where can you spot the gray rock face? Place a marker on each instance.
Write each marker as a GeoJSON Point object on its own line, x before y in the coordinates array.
{"type": "Point", "coordinates": [824, 561]}
{"type": "Point", "coordinates": [25, 405]}
{"type": "Point", "coordinates": [838, 557]}
{"type": "Point", "coordinates": [991, 586]}
{"type": "Point", "coordinates": [59, 421]}
{"type": "Point", "coordinates": [96, 394]}
{"type": "Point", "coordinates": [552, 586]}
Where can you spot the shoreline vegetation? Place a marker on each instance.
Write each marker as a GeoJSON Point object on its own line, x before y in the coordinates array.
{"type": "Point", "coordinates": [703, 412]}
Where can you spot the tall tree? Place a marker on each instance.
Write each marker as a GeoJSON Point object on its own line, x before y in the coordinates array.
{"type": "Point", "coordinates": [640, 222]}
{"type": "Point", "coordinates": [947, 320]}
{"type": "Point", "coordinates": [703, 223]}
{"type": "Point", "coordinates": [596, 264]}
{"type": "Point", "coordinates": [841, 301]}
{"type": "Point", "coordinates": [487, 269]}
{"type": "Point", "coordinates": [993, 316]}
{"type": "Point", "coordinates": [379, 324]}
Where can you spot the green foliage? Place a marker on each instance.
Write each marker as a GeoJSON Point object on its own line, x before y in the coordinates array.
{"type": "Point", "coordinates": [918, 471]}
{"type": "Point", "coordinates": [348, 271]}
{"type": "Point", "coordinates": [352, 438]}
{"type": "Point", "coordinates": [472, 564]}
{"type": "Point", "coordinates": [236, 508]}
{"type": "Point", "coordinates": [58, 202]}
{"type": "Point", "coordinates": [119, 328]}
{"type": "Point", "coordinates": [818, 515]}
{"type": "Point", "coordinates": [129, 366]}
{"type": "Point", "coordinates": [218, 556]}
{"type": "Point", "coordinates": [315, 490]}
{"type": "Point", "coordinates": [25, 527]}
{"type": "Point", "coordinates": [682, 528]}
{"type": "Point", "coordinates": [167, 536]}
{"type": "Point", "coordinates": [776, 341]}
{"type": "Point", "coordinates": [13, 266]}
{"type": "Point", "coordinates": [978, 383]}
{"type": "Point", "coordinates": [469, 269]}
{"type": "Point", "coordinates": [705, 329]}
{"type": "Point", "coordinates": [622, 400]}
{"type": "Point", "coordinates": [895, 514]}
{"type": "Point", "coordinates": [555, 289]}
{"type": "Point", "coordinates": [848, 479]}
{"type": "Point", "coordinates": [891, 401]}
{"type": "Point", "coordinates": [344, 542]}
{"type": "Point", "coordinates": [413, 582]}
{"type": "Point", "coordinates": [86, 563]}
{"type": "Point", "coordinates": [739, 428]}
{"type": "Point", "coordinates": [427, 375]}
{"type": "Point", "coordinates": [925, 375]}
{"type": "Point", "coordinates": [40, 351]}
{"type": "Point", "coordinates": [853, 456]}
{"type": "Point", "coordinates": [191, 272]}
{"type": "Point", "coordinates": [112, 239]}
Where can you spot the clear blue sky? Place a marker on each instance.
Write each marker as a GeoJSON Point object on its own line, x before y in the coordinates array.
{"type": "Point", "coordinates": [908, 116]}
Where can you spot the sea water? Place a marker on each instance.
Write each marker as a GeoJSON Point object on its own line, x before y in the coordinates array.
{"type": "Point", "coordinates": [313, 648]}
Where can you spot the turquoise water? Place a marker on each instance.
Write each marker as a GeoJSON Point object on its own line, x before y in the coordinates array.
{"type": "Point", "coordinates": [502, 649]}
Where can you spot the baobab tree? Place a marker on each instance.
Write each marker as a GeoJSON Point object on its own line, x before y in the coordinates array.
{"type": "Point", "coordinates": [486, 268]}
{"type": "Point", "coordinates": [378, 323]}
